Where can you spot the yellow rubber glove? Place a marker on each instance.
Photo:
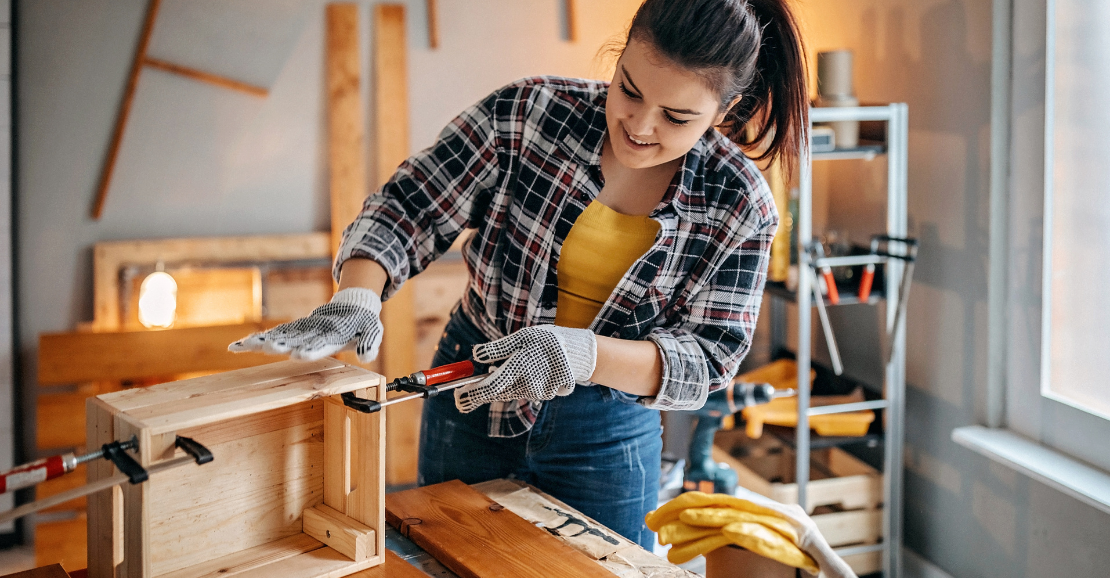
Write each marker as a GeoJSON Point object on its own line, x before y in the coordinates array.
{"type": "Point", "coordinates": [677, 532]}
{"type": "Point", "coordinates": [686, 551]}
{"type": "Point", "coordinates": [720, 517]}
{"type": "Point", "coordinates": [769, 544]}
{"type": "Point", "coordinates": [670, 511]}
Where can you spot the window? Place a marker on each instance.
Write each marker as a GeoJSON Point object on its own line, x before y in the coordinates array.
{"type": "Point", "coordinates": [1075, 358]}
{"type": "Point", "coordinates": [1054, 322]}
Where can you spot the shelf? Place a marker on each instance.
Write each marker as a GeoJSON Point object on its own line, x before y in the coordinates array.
{"type": "Point", "coordinates": [786, 435]}
{"type": "Point", "coordinates": [847, 295]}
{"type": "Point", "coordinates": [865, 152]}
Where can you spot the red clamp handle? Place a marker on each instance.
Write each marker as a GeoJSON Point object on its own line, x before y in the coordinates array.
{"type": "Point", "coordinates": [449, 372]}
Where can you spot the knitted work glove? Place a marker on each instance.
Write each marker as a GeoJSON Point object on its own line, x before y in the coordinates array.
{"type": "Point", "coordinates": [351, 320]}
{"type": "Point", "coordinates": [540, 362]}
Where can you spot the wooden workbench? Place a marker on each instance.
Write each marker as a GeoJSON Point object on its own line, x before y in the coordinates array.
{"type": "Point", "coordinates": [613, 554]}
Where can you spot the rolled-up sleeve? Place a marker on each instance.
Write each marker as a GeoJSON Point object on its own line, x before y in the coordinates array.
{"type": "Point", "coordinates": [431, 198]}
{"type": "Point", "coordinates": [702, 352]}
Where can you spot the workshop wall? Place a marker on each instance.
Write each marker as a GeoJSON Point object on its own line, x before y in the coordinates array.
{"type": "Point", "coordinates": [968, 515]}
{"type": "Point", "coordinates": [198, 160]}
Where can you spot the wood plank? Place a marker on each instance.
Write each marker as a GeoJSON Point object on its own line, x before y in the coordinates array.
{"type": "Point", "coordinates": [66, 358]}
{"type": "Point", "coordinates": [366, 501]}
{"type": "Point", "coordinates": [60, 421]}
{"type": "Point", "coordinates": [193, 412]}
{"type": "Point", "coordinates": [124, 110]}
{"type": "Point", "coordinates": [110, 256]}
{"type": "Point", "coordinates": [391, 148]}
{"type": "Point", "coordinates": [132, 399]}
{"type": "Point", "coordinates": [431, 9]}
{"type": "Point", "coordinates": [394, 567]}
{"type": "Point", "coordinates": [346, 169]}
{"type": "Point", "coordinates": [851, 527]}
{"type": "Point", "coordinates": [136, 508]}
{"type": "Point", "coordinates": [337, 454]}
{"type": "Point", "coordinates": [105, 548]}
{"type": "Point", "coordinates": [206, 77]}
{"type": "Point", "coordinates": [70, 481]}
{"type": "Point", "coordinates": [51, 571]}
{"type": "Point", "coordinates": [321, 563]}
{"type": "Point", "coordinates": [61, 542]}
{"type": "Point", "coordinates": [251, 494]}
{"type": "Point", "coordinates": [572, 20]}
{"type": "Point", "coordinates": [301, 414]}
{"type": "Point", "coordinates": [346, 535]}
{"type": "Point", "coordinates": [294, 293]}
{"type": "Point", "coordinates": [259, 556]}
{"type": "Point", "coordinates": [456, 524]}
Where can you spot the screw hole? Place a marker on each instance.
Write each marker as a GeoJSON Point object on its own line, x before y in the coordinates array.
{"type": "Point", "coordinates": [328, 532]}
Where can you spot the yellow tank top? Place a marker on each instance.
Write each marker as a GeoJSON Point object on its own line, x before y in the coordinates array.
{"type": "Point", "coordinates": [597, 252]}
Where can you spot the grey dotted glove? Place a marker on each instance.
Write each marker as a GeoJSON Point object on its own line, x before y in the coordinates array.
{"type": "Point", "coordinates": [351, 320]}
{"type": "Point", "coordinates": [539, 363]}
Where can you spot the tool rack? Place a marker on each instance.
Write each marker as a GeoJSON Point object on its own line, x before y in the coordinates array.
{"type": "Point", "coordinates": [895, 116]}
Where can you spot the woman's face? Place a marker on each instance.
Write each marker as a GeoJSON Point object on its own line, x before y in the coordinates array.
{"type": "Point", "coordinates": [656, 110]}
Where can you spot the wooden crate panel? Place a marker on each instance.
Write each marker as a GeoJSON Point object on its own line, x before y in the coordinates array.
{"type": "Point", "coordinates": [243, 513]}
{"type": "Point", "coordinates": [285, 474]}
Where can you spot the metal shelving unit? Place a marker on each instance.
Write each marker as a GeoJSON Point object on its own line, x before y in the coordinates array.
{"type": "Point", "coordinates": [893, 403]}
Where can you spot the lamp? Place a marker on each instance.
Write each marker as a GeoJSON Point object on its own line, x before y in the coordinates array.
{"type": "Point", "coordinates": [158, 300]}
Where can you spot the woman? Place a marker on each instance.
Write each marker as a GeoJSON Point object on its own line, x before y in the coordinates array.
{"type": "Point", "coordinates": [618, 258]}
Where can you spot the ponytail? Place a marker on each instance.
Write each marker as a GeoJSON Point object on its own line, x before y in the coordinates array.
{"type": "Point", "coordinates": [746, 48]}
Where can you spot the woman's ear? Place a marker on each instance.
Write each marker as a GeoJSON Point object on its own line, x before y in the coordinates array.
{"type": "Point", "coordinates": [721, 115]}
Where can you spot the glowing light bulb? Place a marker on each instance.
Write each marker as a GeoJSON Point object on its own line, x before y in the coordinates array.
{"type": "Point", "coordinates": [158, 300]}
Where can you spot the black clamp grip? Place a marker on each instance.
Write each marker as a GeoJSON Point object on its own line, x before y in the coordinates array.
{"type": "Point", "coordinates": [117, 453]}
{"type": "Point", "coordinates": [194, 449]}
{"type": "Point", "coordinates": [357, 403]}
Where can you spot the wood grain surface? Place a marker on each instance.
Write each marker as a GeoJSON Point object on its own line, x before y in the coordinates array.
{"type": "Point", "coordinates": [474, 536]}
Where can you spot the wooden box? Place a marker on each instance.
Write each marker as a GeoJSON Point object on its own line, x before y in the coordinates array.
{"type": "Point", "coordinates": [296, 488]}
{"type": "Point", "coordinates": [844, 495]}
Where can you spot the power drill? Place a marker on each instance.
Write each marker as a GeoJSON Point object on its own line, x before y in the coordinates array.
{"type": "Point", "coordinates": [704, 474]}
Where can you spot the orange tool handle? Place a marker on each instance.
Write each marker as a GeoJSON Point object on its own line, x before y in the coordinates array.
{"type": "Point", "coordinates": [33, 473]}
{"type": "Point", "coordinates": [865, 282]}
{"type": "Point", "coordinates": [834, 296]}
{"type": "Point", "coordinates": [449, 372]}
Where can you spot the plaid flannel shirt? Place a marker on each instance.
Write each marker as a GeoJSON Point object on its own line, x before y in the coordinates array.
{"type": "Point", "coordinates": [518, 168]}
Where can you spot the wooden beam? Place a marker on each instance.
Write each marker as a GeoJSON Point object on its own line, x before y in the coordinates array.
{"type": "Point", "coordinates": [433, 23]}
{"type": "Point", "coordinates": [66, 358]}
{"type": "Point", "coordinates": [391, 148]}
{"type": "Point", "coordinates": [125, 109]}
{"type": "Point", "coordinates": [207, 77]}
{"type": "Point", "coordinates": [473, 536]}
{"type": "Point", "coordinates": [347, 171]}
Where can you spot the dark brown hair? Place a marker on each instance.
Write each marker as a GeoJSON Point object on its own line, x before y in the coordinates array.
{"type": "Point", "coordinates": [746, 48]}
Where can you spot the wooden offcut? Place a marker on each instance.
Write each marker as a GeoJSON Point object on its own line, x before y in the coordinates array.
{"type": "Point", "coordinates": [243, 513]}
{"type": "Point", "coordinates": [474, 537]}
{"type": "Point", "coordinates": [206, 77]}
{"type": "Point", "coordinates": [432, 9]}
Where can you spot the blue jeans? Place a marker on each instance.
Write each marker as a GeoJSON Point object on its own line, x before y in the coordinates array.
{"type": "Point", "coordinates": [593, 449]}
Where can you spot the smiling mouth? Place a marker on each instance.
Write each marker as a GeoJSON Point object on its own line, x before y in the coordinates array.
{"type": "Point", "coordinates": [636, 143]}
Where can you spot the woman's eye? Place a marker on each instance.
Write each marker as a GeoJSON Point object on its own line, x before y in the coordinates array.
{"type": "Point", "coordinates": [674, 120]}
{"type": "Point", "coordinates": [627, 92]}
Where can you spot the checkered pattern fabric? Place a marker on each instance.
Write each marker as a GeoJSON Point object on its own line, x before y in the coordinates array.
{"type": "Point", "coordinates": [518, 168]}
